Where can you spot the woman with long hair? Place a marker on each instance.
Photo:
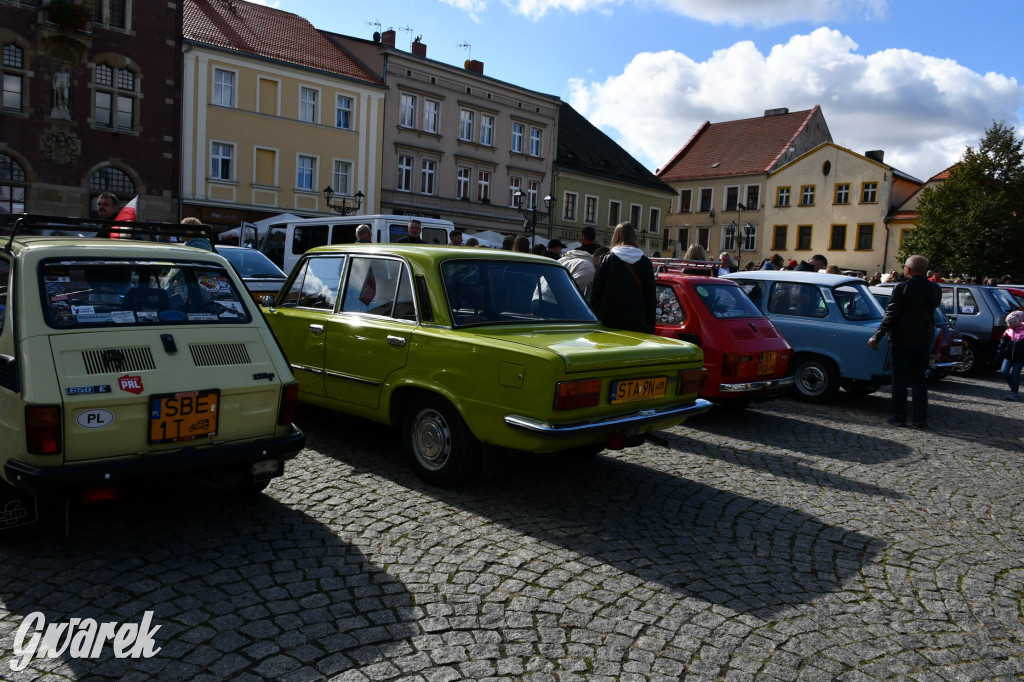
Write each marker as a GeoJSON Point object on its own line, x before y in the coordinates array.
{"type": "Point", "coordinates": [623, 288]}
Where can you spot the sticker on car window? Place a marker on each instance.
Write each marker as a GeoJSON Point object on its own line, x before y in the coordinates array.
{"type": "Point", "coordinates": [828, 296]}
{"type": "Point", "coordinates": [203, 317]}
{"type": "Point", "coordinates": [968, 310]}
{"type": "Point", "coordinates": [702, 291]}
{"type": "Point", "coordinates": [209, 283]}
{"type": "Point", "coordinates": [122, 317]}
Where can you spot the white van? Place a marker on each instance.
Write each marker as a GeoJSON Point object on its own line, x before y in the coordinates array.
{"type": "Point", "coordinates": [285, 244]}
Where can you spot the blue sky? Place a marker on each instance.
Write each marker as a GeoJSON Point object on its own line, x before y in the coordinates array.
{"type": "Point", "coordinates": [920, 81]}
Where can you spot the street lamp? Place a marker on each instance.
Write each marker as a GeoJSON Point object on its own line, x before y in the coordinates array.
{"type": "Point", "coordinates": [343, 208]}
{"type": "Point", "coordinates": [732, 229]}
{"type": "Point", "coordinates": [530, 213]}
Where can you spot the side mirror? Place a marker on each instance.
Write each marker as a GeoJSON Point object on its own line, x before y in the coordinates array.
{"type": "Point", "coordinates": [266, 300]}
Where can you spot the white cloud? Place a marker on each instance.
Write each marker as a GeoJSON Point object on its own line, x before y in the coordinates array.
{"type": "Point", "coordinates": [921, 110]}
{"type": "Point", "coordinates": [733, 12]}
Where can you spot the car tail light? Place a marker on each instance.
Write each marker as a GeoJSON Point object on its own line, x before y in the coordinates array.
{"type": "Point", "coordinates": [289, 397]}
{"type": "Point", "coordinates": [572, 395]}
{"type": "Point", "coordinates": [616, 441]}
{"type": "Point", "coordinates": [692, 380]}
{"type": "Point", "coordinates": [42, 429]}
{"type": "Point", "coordinates": [104, 494]}
{"type": "Point", "coordinates": [731, 363]}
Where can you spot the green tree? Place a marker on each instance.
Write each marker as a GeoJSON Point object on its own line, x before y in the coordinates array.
{"type": "Point", "coordinates": [973, 222]}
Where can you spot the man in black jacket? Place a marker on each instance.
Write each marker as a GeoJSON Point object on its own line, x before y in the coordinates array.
{"type": "Point", "coordinates": [817, 262]}
{"type": "Point", "coordinates": [910, 323]}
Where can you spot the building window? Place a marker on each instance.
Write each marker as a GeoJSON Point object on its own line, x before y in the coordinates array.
{"type": "Point", "coordinates": [779, 238]}
{"type": "Point", "coordinates": [753, 197]}
{"type": "Point", "coordinates": [305, 178]}
{"type": "Point", "coordinates": [685, 199]}
{"type": "Point", "coordinates": [483, 185]}
{"type": "Point", "coordinates": [865, 237]}
{"type": "Point", "coordinates": [807, 195]}
{"type": "Point", "coordinates": [111, 13]}
{"type": "Point", "coordinates": [634, 216]}
{"type": "Point", "coordinates": [517, 137]}
{"type": "Point", "coordinates": [732, 197]}
{"type": "Point", "coordinates": [222, 157]}
{"type": "Point", "coordinates": [223, 88]}
{"type": "Point", "coordinates": [343, 112]}
{"type": "Point", "coordinates": [843, 193]}
{"type": "Point", "coordinates": [782, 196]}
{"type": "Point", "coordinates": [803, 237]}
{"type": "Point", "coordinates": [307, 105]}
{"type": "Point", "coordinates": [407, 112]}
{"type": "Point", "coordinates": [614, 209]}
{"type": "Point", "coordinates": [265, 170]}
{"type": "Point", "coordinates": [590, 211]}
{"type": "Point", "coordinates": [340, 177]}
{"type": "Point", "coordinates": [655, 221]}
{"type": "Point", "coordinates": [707, 195]}
{"type": "Point", "coordinates": [431, 114]}
{"type": "Point", "coordinates": [515, 184]}
{"type": "Point", "coordinates": [838, 240]}
{"type": "Point", "coordinates": [114, 97]}
{"type": "Point", "coordinates": [12, 185]}
{"type": "Point", "coordinates": [748, 239]}
{"type": "Point", "coordinates": [404, 173]}
{"type": "Point", "coordinates": [462, 179]}
{"type": "Point", "coordinates": [427, 169]}
{"type": "Point", "coordinates": [466, 125]}
{"type": "Point", "coordinates": [532, 190]}
{"type": "Point", "coordinates": [110, 179]}
{"type": "Point", "coordinates": [14, 77]}
{"type": "Point", "coordinates": [487, 130]}
{"type": "Point", "coordinates": [869, 193]}
{"type": "Point", "coordinates": [535, 141]}
{"type": "Point", "coordinates": [569, 207]}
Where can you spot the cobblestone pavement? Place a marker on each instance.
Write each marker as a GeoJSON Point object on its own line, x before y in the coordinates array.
{"type": "Point", "coordinates": [791, 541]}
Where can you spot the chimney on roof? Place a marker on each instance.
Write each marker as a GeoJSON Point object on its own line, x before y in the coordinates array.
{"type": "Point", "coordinates": [388, 38]}
{"type": "Point", "coordinates": [418, 48]}
{"type": "Point", "coordinates": [876, 155]}
{"type": "Point", "coordinates": [776, 112]}
{"type": "Point", "coordinates": [475, 66]}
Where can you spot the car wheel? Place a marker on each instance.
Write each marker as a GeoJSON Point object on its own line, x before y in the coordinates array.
{"type": "Point", "coordinates": [816, 378]}
{"type": "Point", "coordinates": [440, 446]}
{"type": "Point", "coordinates": [970, 362]}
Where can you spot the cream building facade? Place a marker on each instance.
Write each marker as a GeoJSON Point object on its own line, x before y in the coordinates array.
{"type": "Point", "coordinates": [833, 201]}
{"type": "Point", "coordinates": [263, 132]}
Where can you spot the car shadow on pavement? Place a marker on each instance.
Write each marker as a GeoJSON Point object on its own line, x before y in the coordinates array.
{"type": "Point", "coordinates": [746, 554]}
{"type": "Point", "coordinates": [804, 433]}
{"type": "Point", "coordinates": [239, 584]}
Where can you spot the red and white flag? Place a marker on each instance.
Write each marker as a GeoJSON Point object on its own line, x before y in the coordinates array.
{"type": "Point", "coordinates": [127, 212]}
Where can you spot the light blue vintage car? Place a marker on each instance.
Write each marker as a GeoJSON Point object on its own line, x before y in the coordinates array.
{"type": "Point", "coordinates": [827, 319]}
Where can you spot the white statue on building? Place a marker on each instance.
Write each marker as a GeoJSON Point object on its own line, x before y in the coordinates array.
{"type": "Point", "coordinates": [61, 93]}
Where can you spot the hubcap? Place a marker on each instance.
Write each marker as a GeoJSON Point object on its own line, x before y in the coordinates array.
{"type": "Point", "coordinates": [431, 439]}
{"type": "Point", "coordinates": [812, 379]}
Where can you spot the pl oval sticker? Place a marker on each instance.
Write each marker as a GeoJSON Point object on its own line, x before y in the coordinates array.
{"type": "Point", "coordinates": [95, 418]}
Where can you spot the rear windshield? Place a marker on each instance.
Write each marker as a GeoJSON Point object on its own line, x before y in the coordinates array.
{"type": "Point", "coordinates": [726, 301]}
{"type": "Point", "coordinates": [496, 292]}
{"type": "Point", "coordinates": [125, 293]}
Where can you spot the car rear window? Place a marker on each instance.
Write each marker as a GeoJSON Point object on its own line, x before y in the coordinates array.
{"type": "Point", "coordinates": [91, 293]}
{"type": "Point", "coordinates": [496, 292]}
{"type": "Point", "coordinates": [856, 302]}
{"type": "Point", "coordinates": [726, 301]}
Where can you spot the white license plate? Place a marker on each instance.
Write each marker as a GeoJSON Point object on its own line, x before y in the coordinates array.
{"type": "Point", "coordinates": [956, 350]}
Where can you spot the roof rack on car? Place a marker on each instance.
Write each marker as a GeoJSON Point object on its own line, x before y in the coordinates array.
{"type": "Point", "coordinates": [28, 223]}
{"type": "Point", "coordinates": [683, 266]}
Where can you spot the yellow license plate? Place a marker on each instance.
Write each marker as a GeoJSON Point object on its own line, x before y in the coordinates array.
{"type": "Point", "coordinates": [767, 364]}
{"type": "Point", "coordinates": [629, 390]}
{"type": "Point", "coordinates": [181, 416]}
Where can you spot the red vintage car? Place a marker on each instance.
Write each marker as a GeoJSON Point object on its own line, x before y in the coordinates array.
{"type": "Point", "coordinates": [746, 357]}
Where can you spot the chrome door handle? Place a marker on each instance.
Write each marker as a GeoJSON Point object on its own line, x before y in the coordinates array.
{"type": "Point", "coordinates": [396, 341]}
{"type": "Point", "coordinates": [317, 329]}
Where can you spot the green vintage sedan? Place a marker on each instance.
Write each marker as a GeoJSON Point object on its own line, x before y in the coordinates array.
{"type": "Point", "coordinates": [465, 348]}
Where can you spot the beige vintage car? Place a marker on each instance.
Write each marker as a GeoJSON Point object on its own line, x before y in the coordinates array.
{"type": "Point", "coordinates": [123, 360]}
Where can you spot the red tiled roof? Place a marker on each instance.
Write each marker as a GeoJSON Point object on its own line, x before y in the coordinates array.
{"type": "Point", "coordinates": [267, 32]}
{"type": "Point", "coordinates": [745, 147]}
{"type": "Point", "coordinates": [942, 175]}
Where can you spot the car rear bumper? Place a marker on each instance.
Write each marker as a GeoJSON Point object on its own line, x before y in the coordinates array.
{"type": "Point", "coordinates": [951, 366]}
{"type": "Point", "coordinates": [753, 386]}
{"type": "Point", "coordinates": [188, 461]}
{"type": "Point", "coordinates": [624, 423]}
